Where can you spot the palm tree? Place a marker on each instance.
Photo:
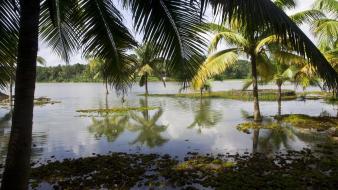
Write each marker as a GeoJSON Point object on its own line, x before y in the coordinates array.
{"type": "Point", "coordinates": [172, 24]}
{"type": "Point", "coordinates": [118, 76]}
{"type": "Point", "coordinates": [148, 62]}
{"type": "Point", "coordinates": [252, 42]}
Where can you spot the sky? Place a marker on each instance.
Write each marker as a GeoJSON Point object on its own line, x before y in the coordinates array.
{"type": "Point", "coordinates": [53, 60]}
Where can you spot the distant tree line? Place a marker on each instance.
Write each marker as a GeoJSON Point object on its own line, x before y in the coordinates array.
{"type": "Point", "coordinates": [83, 73]}
{"type": "Point", "coordinates": [66, 73]}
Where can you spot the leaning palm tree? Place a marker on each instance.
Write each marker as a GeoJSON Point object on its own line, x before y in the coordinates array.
{"type": "Point", "coordinates": [148, 62]}
{"type": "Point", "coordinates": [98, 27]}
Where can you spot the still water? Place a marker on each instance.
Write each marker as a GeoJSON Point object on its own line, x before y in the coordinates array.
{"type": "Point", "coordinates": [181, 125]}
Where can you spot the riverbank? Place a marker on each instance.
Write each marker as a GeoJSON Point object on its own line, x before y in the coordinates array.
{"type": "Point", "coordinates": [290, 170]}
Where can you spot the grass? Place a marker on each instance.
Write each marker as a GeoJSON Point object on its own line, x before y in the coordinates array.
{"type": "Point", "coordinates": [116, 110]}
{"type": "Point", "coordinates": [291, 170]}
{"type": "Point", "coordinates": [305, 121]}
{"type": "Point", "coordinates": [264, 95]}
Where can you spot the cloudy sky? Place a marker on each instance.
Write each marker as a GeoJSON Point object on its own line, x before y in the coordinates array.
{"type": "Point", "coordinates": [53, 60]}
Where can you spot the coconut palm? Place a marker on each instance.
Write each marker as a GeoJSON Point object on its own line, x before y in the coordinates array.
{"type": "Point", "coordinates": [97, 26]}
{"type": "Point", "coordinates": [149, 63]}
{"type": "Point", "coordinates": [254, 44]}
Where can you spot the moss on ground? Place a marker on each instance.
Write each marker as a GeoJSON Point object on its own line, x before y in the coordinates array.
{"type": "Point", "coordinates": [291, 170]}
{"type": "Point", "coordinates": [264, 95]}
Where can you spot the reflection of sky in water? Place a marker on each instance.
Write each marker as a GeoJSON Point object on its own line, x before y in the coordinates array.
{"type": "Point", "coordinates": [57, 131]}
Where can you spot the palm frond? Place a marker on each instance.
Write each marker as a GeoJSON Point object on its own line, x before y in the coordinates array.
{"type": "Point", "coordinates": [9, 27]}
{"type": "Point", "coordinates": [264, 15]}
{"type": "Point", "coordinates": [326, 31]}
{"type": "Point", "coordinates": [174, 26]}
{"type": "Point", "coordinates": [267, 41]}
{"type": "Point", "coordinates": [58, 28]}
{"type": "Point", "coordinates": [307, 16]}
{"type": "Point", "coordinates": [213, 65]}
{"type": "Point", "coordinates": [230, 37]}
{"type": "Point", "coordinates": [330, 6]}
{"type": "Point", "coordinates": [285, 4]}
{"type": "Point", "coordinates": [105, 37]}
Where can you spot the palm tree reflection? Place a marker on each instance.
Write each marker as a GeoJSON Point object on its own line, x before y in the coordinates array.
{"type": "Point", "coordinates": [148, 127]}
{"type": "Point", "coordinates": [146, 124]}
{"type": "Point", "coordinates": [110, 126]}
{"type": "Point", "coordinates": [205, 117]}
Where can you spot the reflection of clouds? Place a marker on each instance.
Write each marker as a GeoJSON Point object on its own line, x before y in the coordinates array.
{"type": "Point", "coordinates": [68, 136]}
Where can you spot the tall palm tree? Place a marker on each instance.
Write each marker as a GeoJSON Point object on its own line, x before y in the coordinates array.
{"type": "Point", "coordinates": [148, 62]}
{"type": "Point", "coordinates": [97, 26]}
{"type": "Point", "coordinates": [250, 41]}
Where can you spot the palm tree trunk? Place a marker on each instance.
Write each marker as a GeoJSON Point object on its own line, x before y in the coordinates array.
{"type": "Point", "coordinates": [106, 82]}
{"type": "Point", "coordinates": [255, 140]}
{"type": "Point", "coordinates": [257, 113]}
{"type": "Point", "coordinates": [11, 93]}
{"type": "Point", "coordinates": [17, 166]}
{"type": "Point", "coordinates": [146, 83]}
{"type": "Point", "coordinates": [279, 98]}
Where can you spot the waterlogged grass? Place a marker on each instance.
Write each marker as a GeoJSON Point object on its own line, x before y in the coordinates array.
{"type": "Point", "coordinates": [264, 95]}
{"type": "Point", "coordinates": [115, 110]}
{"type": "Point", "coordinates": [247, 126]}
{"type": "Point", "coordinates": [305, 121]}
{"type": "Point", "coordinates": [291, 170]}
{"type": "Point", "coordinates": [41, 101]}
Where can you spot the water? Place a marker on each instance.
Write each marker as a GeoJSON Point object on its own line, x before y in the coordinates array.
{"type": "Point", "coordinates": [181, 125]}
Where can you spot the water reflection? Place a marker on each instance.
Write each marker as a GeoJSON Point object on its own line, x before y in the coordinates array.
{"type": "Point", "coordinates": [144, 123]}
{"type": "Point", "coordinates": [110, 126]}
{"type": "Point", "coordinates": [38, 139]}
{"type": "Point", "coordinates": [275, 136]}
{"type": "Point", "coordinates": [4, 134]}
{"type": "Point", "coordinates": [205, 117]}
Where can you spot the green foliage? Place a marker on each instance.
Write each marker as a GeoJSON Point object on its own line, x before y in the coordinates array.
{"type": "Point", "coordinates": [241, 70]}
{"type": "Point", "coordinates": [264, 95]}
{"type": "Point", "coordinates": [67, 73]}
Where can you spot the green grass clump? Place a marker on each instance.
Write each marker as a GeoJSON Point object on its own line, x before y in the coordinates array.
{"type": "Point", "coordinates": [247, 126]}
{"type": "Point", "coordinates": [117, 110]}
{"type": "Point", "coordinates": [305, 121]}
{"type": "Point", "coordinates": [264, 95]}
{"type": "Point", "coordinates": [41, 101]}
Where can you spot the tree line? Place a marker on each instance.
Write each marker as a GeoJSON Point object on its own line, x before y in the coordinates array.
{"type": "Point", "coordinates": [82, 73]}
